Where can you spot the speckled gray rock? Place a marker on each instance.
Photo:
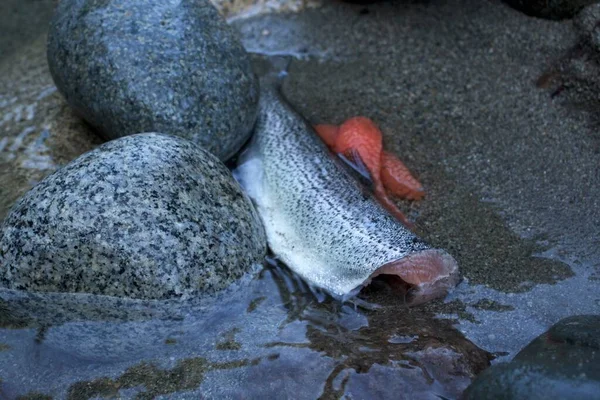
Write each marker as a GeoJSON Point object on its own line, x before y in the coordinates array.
{"type": "Point", "coordinates": [148, 216]}
{"type": "Point", "coordinates": [130, 66]}
{"type": "Point", "coordinates": [562, 363]}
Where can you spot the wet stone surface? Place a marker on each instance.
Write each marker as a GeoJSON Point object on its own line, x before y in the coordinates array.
{"type": "Point", "coordinates": [272, 329]}
{"type": "Point", "coordinates": [153, 66]}
{"type": "Point", "coordinates": [509, 161]}
{"type": "Point", "coordinates": [562, 362]}
{"type": "Point", "coordinates": [575, 75]}
{"type": "Point", "coordinates": [148, 216]}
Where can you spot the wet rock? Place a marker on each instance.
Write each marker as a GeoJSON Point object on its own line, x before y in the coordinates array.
{"type": "Point", "coordinates": [581, 330]}
{"type": "Point", "coordinates": [586, 23]}
{"type": "Point", "coordinates": [153, 66]}
{"type": "Point", "coordinates": [574, 77]}
{"type": "Point", "coordinates": [561, 363]}
{"type": "Point", "coordinates": [581, 69]}
{"type": "Point", "coordinates": [149, 216]}
{"type": "Point", "coordinates": [553, 9]}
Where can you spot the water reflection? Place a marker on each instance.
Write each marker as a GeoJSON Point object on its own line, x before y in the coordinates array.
{"type": "Point", "coordinates": [268, 334]}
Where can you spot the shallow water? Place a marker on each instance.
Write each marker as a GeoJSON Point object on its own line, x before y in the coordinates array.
{"type": "Point", "coordinates": [512, 192]}
{"type": "Point", "coordinates": [270, 335]}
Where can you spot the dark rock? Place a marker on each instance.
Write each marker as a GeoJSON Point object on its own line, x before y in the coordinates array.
{"type": "Point", "coordinates": [581, 69]}
{"type": "Point", "coordinates": [552, 9]}
{"type": "Point", "coordinates": [586, 24]}
{"type": "Point", "coordinates": [153, 66]}
{"type": "Point", "coordinates": [580, 330]}
{"type": "Point", "coordinates": [574, 77]}
{"type": "Point", "coordinates": [562, 363]}
{"type": "Point", "coordinates": [149, 216]}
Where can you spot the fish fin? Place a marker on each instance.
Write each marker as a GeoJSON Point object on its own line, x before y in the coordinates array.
{"type": "Point", "coordinates": [364, 182]}
{"type": "Point", "coordinates": [392, 208]}
{"type": "Point", "coordinates": [398, 180]}
{"type": "Point", "coordinates": [354, 161]}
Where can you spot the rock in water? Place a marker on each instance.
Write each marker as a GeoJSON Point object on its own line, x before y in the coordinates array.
{"type": "Point", "coordinates": [130, 66]}
{"type": "Point", "coordinates": [148, 216]}
{"type": "Point", "coordinates": [562, 363]}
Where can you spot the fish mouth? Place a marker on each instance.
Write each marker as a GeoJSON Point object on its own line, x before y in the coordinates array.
{"type": "Point", "coordinates": [427, 274]}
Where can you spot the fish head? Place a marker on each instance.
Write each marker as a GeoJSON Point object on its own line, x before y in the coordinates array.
{"type": "Point", "coordinates": [425, 275]}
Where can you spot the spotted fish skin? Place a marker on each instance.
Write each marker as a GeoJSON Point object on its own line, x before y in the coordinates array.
{"type": "Point", "coordinates": [320, 221]}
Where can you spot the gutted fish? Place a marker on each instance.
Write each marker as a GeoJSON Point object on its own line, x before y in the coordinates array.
{"type": "Point", "coordinates": [321, 221]}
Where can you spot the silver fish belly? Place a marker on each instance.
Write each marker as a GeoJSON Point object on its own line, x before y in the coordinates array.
{"type": "Point", "coordinates": [319, 219]}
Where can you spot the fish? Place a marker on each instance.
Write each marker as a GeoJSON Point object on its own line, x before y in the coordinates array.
{"type": "Point", "coordinates": [360, 141]}
{"type": "Point", "coordinates": [398, 180]}
{"type": "Point", "coordinates": [319, 219]}
{"type": "Point", "coordinates": [395, 177]}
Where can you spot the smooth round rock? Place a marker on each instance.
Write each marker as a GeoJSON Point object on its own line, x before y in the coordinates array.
{"type": "Point", "coordinates": [579, 330]}
{"type": "Point", "coordinates": [148, 216]}
{"type": "Point", "coordinates": [563, 363]}
{"type": "Point", "coordinates": [171, 66]}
